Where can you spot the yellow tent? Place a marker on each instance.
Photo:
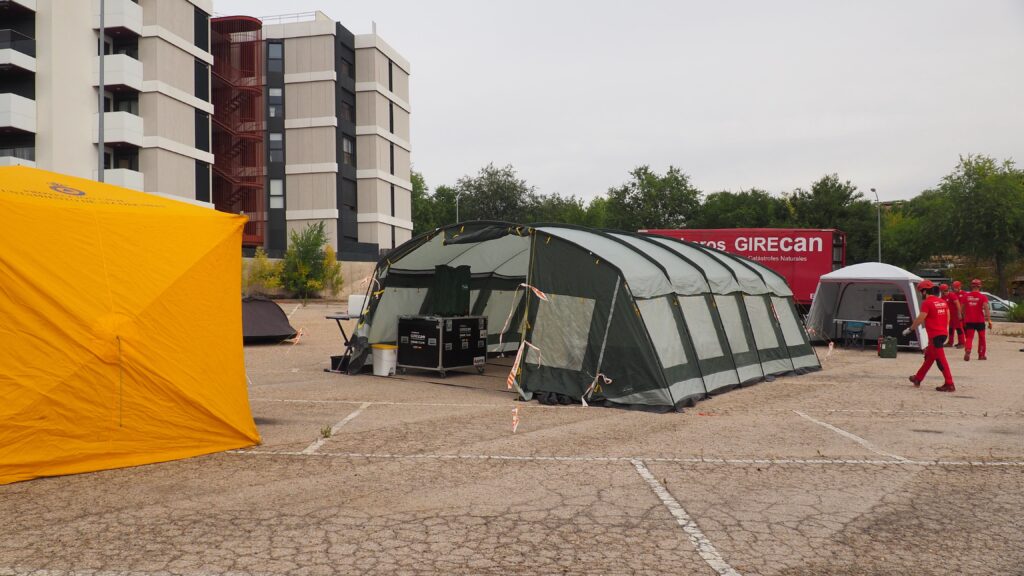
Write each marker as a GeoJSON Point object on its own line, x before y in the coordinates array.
{"type": "Point", "coordinates": [120, 328]}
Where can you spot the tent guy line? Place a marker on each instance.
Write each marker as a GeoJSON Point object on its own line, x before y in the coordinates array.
{"type": "Point", "coordinates": [704, 546]}
{"type": "Point", "coordinates": [691, 460]}
{"type": "Point", "coordinates": [850, 436]}
{"type": "Point", "coordinates": [312, 448]}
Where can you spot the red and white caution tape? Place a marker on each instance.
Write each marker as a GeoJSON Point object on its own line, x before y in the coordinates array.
{"type": "Point", "coordinates": [508, 320]}
{"type": "Point", "coordinates": [593, 387]}
{"type": "Point", "coordinates": [511, 381]}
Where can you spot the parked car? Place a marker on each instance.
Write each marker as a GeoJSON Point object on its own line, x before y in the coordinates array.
{"type": "Point", "coordinates": [1000, 306]}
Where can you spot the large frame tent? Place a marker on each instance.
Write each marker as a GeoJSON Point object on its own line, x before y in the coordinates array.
{"type": "Point", "coordinates": [625, 318]}
{"type": "Point", "coordinates": [856, 292]}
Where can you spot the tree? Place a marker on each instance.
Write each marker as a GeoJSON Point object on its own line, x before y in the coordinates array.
{"type": "Point", "coordinates": [597, 213]}
{"type": "Point", "coordinates": [832, 203]}
{"type": "Point", "coordinates": [495, 194]}
{"type": "Point", "coordinates": [650, 200]}
{"type": "Point", "coordinates": [303, 271]}
{"type": "Point", "coordinates": [986, 215]}
{"type": "Point", "coordinates": [332, 272]}
{"type": "Point", "coordinates": [745, 209]}
{"type": "Point", "coordinates": [555, 208]}
{"type": "Point", "coordinates": [424, 208]}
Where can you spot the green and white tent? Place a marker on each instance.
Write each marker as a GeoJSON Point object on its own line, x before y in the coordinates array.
{"type": "Point", "coordinates": [608, 316]}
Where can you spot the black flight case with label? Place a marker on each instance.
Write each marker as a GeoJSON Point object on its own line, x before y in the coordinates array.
{"type": "Point", "coordinates": [442, 343]}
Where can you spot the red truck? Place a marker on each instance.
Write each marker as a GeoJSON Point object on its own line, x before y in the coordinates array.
{"type": "Point", "coordinates": [801, 255]}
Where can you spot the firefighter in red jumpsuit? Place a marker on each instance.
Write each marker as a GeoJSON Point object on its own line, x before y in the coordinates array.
{"type": "Point", "coordinates": [935, 317]}
{"type": "Point", "coordinates": [977, 313]}
{"type": "Point", "coordinates": [955, 300]}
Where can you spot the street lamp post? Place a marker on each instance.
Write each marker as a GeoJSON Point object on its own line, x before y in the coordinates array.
{"type": "Point", "coordinates": [878, 207]}
{"type": "Point", "coordinates": [457, 195]}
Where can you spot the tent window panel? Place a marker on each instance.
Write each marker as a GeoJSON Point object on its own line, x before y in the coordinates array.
{"type": "Point", "coordinates": [732, 321]}
{"type": "Point", "coordinates": [661, 325]}
{"type": "Point", "coordinates": [761, 323]}
{"type": "Point", "coordinates": [500, 304]}
{"type": "Point", "coordinates": [394, 302]}
{"type": "Point", "coordinates": [473, 295]}
{"type": "Point", "coordinates": [561, 331]}
{"type": "Point", "coordinates": [701, 325]}
{"type": "Point", "coordinates": [790, 326]}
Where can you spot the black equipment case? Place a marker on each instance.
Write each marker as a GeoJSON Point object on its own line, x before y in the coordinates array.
{"type": "Point", "coordinates": [442, 343]}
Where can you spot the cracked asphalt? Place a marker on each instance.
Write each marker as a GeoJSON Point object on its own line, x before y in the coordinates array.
{"type": "Point", "coordinates": [845, 471]}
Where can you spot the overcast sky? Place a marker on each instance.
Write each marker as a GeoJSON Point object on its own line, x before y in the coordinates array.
{"type": "Point", "coordinates": [738, 94]}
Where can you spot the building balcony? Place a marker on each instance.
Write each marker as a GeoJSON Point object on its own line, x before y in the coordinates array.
{"type": "Point", "coordinates": [18, 42]}
{"type": "Point", "coordinates": [120, 72]}
{"type": "Point", "coordinates": [121, 17]}
{"type": "Point", "coordinates": [18, 6]}
{"type": "Point", "coordinates": [119, 129]}
{"type": "Point", "coordinates": [11, 59]}
{"type": "Point", "coordinates": [18, 156]}
{"type": "Point", "coordinates": [122, 177]}
{"type": "Point", "coordinates": [17, 114]}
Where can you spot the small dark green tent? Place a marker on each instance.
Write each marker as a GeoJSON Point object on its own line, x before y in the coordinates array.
{"type": "Point", "coordinates": [665, 322]}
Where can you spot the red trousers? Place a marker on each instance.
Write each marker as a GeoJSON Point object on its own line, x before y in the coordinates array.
{"type": "Point", "coordinates": [956, 329]}
{"type": "Point", "coordinates": [973, 327]}
{"type": "Point", "coordinates": [934, 354]}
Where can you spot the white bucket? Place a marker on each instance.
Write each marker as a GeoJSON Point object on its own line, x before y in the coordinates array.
{"type": "Point", "coordinates": [355, 303]}
{"type": "Point", "coordinates": [385, 359]}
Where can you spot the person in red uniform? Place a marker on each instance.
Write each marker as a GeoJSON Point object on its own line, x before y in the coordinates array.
{"type": "Point", "coordinates": [955, 299]}
{"type": "Point", "coordinates": [935, 317]}
{"type": "Point", "coordinates": [977, 313]}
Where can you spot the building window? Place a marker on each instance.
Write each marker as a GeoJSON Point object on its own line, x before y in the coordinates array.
{"type": "Point", "coordinates": [275, 57]}
{"type": "Point", "coordinates": [202, 131]}
{"type": "Point", "coordinates": [202, 181]}
{"type": "Point", "coordinates": [276, 140]}
{"type": "Point", "coordinates": [202, 81]}
{"type": "Point", "coordinates": [202, 30]}
{"type": "Point", "coordinates": [348, 151]}
{"type": "Point", "coordinates": [275, 95]}
{"type": "Point", "coordinates": [127, 159]}
{"type": "Point", "coordinates": [348, 112]}
{"type": "Point", "coordinates": [275, 111]}
{"type": "Point", "coordinates": [391, 117]}
{"type": "Point", "coordinates": [392, 159]}
{"type": "Point", "coordinates": [345, 68]}
{"type": "Point", "coordinates": [391, 75]}
{"type": "Point", "coordinates": [392, 199]}
{"type": "Point", "coordinates": [277, 193]}
{"type": "Point", "coordinates": [393, 237]}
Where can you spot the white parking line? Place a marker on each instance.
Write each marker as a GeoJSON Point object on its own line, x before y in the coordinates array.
{"type": "Point", "coordinates": [709, 409]}
{"type": "Point", "coordinates": [850, 436]}
{"type": "Point", "coordinates": [700, 541]}
{"type": "Point", "coordinates": [312, 448]}
{"type": "Point", "coordinates": [726, 461]}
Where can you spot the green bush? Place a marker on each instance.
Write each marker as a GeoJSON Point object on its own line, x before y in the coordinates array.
{"type": "Point", "coordinates": [1016, 314]}
{"type": "Point", "coordinates": [332, 272]}
{"type": "Point", "coordinates": [261, 277]}
{"type": "Point", "coordinates": [303, 272]}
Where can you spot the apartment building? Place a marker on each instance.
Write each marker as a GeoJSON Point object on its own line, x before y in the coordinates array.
{"type": "Point", "coordinates": [155, 94]}
{"type": "Point", "coordinates": [337, 136]}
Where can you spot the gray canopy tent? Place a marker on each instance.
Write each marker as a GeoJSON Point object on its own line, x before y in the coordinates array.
{"type": "Point", "coordinates": [620, 317]}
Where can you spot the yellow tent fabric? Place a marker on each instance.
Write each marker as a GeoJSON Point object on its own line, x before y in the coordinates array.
{"type": "Point", "coordinates": [120, 328]}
